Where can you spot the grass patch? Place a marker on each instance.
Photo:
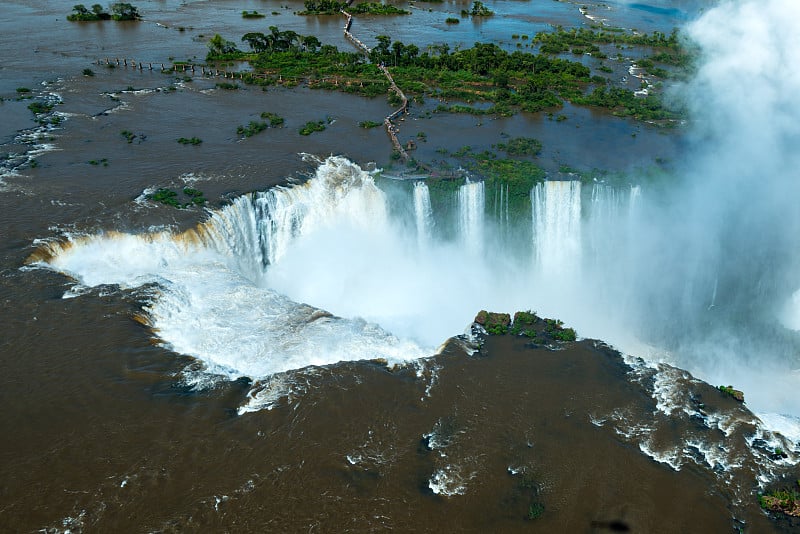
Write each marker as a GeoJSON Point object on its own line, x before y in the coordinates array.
{"type": "Point", "coordinates": [311, 127]}
{"type": "Point", "coordinates": [730, 392]}
{"type": "Point", "coordinates": [495, 324]}
{"type": "Point", "coordinates": [190, 141]}
{"type": "Point", "coordinates": [189, 197]}
{"type": "Point", "coordinates": [40, 107]}
{"type": "Point", "coordinates": [521, 146]}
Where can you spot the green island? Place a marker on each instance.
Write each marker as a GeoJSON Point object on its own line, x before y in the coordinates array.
{"type": "Point", "coordinates": [190, 140]}
{"type": "Point", "coordinates": [483, 79]}
{"type": "Point", "coordinates": [312, 126]}
{"type": "Point", "coordinates": [332, 7]}
{"type": "Point", "coordinates": [252, 15]}
{"type": "Point", "coordinates": [733, 393]}
{"type": "Point", "coordinates": [479, 9]}
{"type": "Point", "coordinates": [187, 198]}
{"type": "Point", "coordinates": [119, 11]}
{"type": "Point", "coordinates": [784, 501]}
{"type": "Point", "coordinates": [525, 323]}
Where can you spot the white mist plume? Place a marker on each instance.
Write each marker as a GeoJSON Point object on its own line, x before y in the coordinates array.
{"type": "Point", "coordinates": [714, 260]}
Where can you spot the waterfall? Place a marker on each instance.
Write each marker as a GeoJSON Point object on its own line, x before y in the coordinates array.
{"type": "Point", "coordinates": [471, 204]}
{"type": "Point", "coordinates": [557, 226]}
{"type": "Point", "coordinates": [423, 213]}
{"type": "Point", "coordinates": [256, 230]}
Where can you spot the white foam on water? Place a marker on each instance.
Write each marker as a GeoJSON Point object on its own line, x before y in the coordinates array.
{"type": "Point", "coordinates": [670, 457]}
{"type": "Point", "coordinates": [449, 481]}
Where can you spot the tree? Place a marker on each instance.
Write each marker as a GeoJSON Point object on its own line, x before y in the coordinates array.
{"type": "Point", "coordinates": [256, 41]}
{"type": "Point", "coordinates": [220, 47]}
{"type": "Point", "coordinates": [311, 43]}
{"type": "Point", "coordinates": [124, 11]}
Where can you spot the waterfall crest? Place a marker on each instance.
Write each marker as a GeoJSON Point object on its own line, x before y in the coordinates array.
{"type": "Point", "coordinates": [557, 227]}
{"type": "Point", "coordinates": [471, 207]}
{"type": "Point", "coordinates": [423, 214]}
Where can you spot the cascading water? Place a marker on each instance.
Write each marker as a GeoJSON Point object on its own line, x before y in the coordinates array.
{"type": "Point", "coordinates": [557, 228]}
{"type": "Point", "coordinates": [423, 214]}
{"type": "Point", "coordinates": [471, 206]}
{"type": "Point", "coordinates": [230, 291]}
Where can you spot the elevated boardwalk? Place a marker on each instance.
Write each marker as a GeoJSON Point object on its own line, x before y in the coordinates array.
{"type": "Point", "coordinates": [388, 122]}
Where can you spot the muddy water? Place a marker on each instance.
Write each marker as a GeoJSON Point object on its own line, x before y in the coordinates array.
{"type": "Point", "coordinates": [98, 432]}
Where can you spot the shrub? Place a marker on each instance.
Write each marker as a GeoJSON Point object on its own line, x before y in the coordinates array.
{"type": "Point", "coordinates": [274, 119]}
{"type": "Point", "coordinates": [494, 323]}
{"type": "Point", "coordinates": [40, 107]}
{"type": "Point", "coordinates": [521, 146]}
{"type": "Point", "coordinates": [735, 393]}
{"type": "Point", "coordinates": [190, 141]}
{"type": "Point", "coordinates": [311, 127]}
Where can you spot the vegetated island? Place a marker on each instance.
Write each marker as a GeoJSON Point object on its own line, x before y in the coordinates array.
{"type": "Point", "coordinates": [333, 7]}
{"type": "Point", "coordinates": [484, 79]}
{"type": "Point", "coordinates": [119, 11]}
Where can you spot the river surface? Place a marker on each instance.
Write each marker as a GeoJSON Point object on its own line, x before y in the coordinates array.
{"type": "Point", "coordinates": [160, 376]}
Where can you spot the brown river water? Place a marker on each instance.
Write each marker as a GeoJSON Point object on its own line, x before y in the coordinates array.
{"type": "Point", "coordinates": [105, 428]}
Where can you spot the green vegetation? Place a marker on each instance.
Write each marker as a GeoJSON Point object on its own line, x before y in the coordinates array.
{"type": "Point", "coordinates": [479, 9]}
{"type": "Point", "coordinates": [735, 393]}
{"type": "Point", "coordinates": [311, 127]}
{"type": "Point", "coordinates": [119, 11]}
{"type": "Point", "coordinates": [191, 197]}
{"type": "Point", "coordinates": [251, 129]}
{"type": "Point", "coordinates": [524, 322]}
{"type": "Point", "coordinates": [128, 135]}
{"type": "Point", "coordinates": [556, 329]}
{"type": "Point", "coordinates": [190, 141]}
{"type": "Point", "coordinates": [322, 7]}
{"type": "Point", "coordinates": [228, 86]}
{"type": "Point", "coordinates": [494, 323]}
{"type": "Point", "coordinates": [96, 162]}
{"type": "Point", "coordinates": [625, 103]}
{"type": "Point", "coordinates": [259, 126]}
{"type": "Point", "coordinates": [376, 8]}
{"type": "Point", "coordinates": [88, 72]}
{"type": "Point", "coordinates": [81, 14]}
{"type": "Point", "coordinates": [124, 11]}
{"type": "Point", "coordinates": [521, 146]}
{"type": "Point", "coordinates": [23, 90]}
{"type": "Point", "coordinates": [481, 80]}
{"type": "Point", "coordinates": [585, 40]}
{"type": "Point", "coordinates": [452, 20]}
{"type": "Point", "coordinates": [274, 119]}
{"type": "Point", "coordinates": [370, 124]}
{"type": "Point", "coordinates": [535, 511]}
{"type": "Point", "coordinates": [40, 107]}
{"type": "Point", "coordinates": [786, 501]}
{"type": "Point", "coordinates": [252, 15]}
